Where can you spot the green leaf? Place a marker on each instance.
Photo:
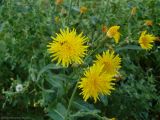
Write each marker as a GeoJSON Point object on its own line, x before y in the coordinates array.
{"type": "Point", "coordinates": [2, 46]}
{"type": "Point", "coordinates": [46, 68]}
{"type": "Point", "coordinates": [80, 106]}
{"type": "Point", "coordinates": [56, 80]}
{"type": "Point", "coordinates": [84, 113]}
{"type": "Point", "coordinates": [58, 113]}
{"type": "Point", "coordinates": [128, 47]}
{"type": "Point", "coordinates": [104, 100]}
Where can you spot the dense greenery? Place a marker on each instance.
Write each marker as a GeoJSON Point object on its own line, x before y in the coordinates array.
{"type": "Point", "coordinates": [26, 27]}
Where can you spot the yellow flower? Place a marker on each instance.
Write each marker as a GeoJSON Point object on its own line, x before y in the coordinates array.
{"type": "Point", "coordinates": [148, 22]}
{"type": "Point", "coordinates": [146, 40]}
{"type": "Point", "coordinates": [133, 11]}
{"type": "Point", "coordinates": [113, 33]}
{"type": "Point", "coordinates": [96, 82]}
{"type": "Point", "coordinates": [110, 61]}
{"type": "Point", "coordinates": [68, 47]}
{"type": "Point", "coordinates": [83, 9]}
{"type": "Point", "coordinates": [58, 2]}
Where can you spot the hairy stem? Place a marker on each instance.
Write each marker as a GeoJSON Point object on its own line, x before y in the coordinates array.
{"type": "Point", "coordinates": [71, 100]}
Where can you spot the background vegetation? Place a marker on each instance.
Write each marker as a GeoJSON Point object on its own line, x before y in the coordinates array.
{"type": "Point", "coordinates": [25, 30]}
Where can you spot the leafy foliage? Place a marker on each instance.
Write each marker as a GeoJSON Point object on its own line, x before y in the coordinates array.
{"type": "Point", "coordinates": [25, 30]}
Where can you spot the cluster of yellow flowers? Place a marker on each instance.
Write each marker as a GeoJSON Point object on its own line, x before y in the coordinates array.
{"type": "Point", "coordinates": [99, 78]}
{"type": "Point", "coordinates": [145, 40]}
{"type": "Point", "coordinates": [68, 47]}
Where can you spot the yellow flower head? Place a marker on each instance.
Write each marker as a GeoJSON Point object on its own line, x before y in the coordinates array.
{"type": "Point", "coordinates": [146, 40]}
{"type": "Point", "coordinates": [110, 61]}
{"type": "Point", "coordinates": [83, 9]}
{"type": "Point", "coordinates": [68, 47]}
{"type": "Point", "coordinates": [96, 82]}
{"type": "Point", "coordinates": [113, 33]}
{"type": "Point", "coordinates": [133, 11]}
{"type": "Point", "coordinates": [112, 119]}
{"type": "Point", "coordinates": [148, 22]}
{"type": "Point", "coordinates": [58, 2]}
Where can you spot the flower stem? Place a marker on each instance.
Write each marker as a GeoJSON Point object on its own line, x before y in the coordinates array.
{"type": "Point", "coordinates": [71, 100]}
{"type": "Point", "coordinates": [70, 6]}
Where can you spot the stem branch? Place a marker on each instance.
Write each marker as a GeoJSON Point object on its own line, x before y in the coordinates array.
{"type": "Point", "coordinates": [70, 6]}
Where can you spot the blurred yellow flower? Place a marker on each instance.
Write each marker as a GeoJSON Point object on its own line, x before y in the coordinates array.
{"type": "Point", "coordinates": [110, 61]}
{"type": "Point", "coordinates": [149, 22]}
{"type": "Point", "coordinates": [104, 28]}
{"type": "Point", "coordinates": [134, 10]}
{"type": "Point", "coordinates": [113, 33]}
{"type": "Point", "coordinates": [96, 82]}
{"type": "Point", "coordinates": [83, 10]}
{"type": "Point", "coordinates": [146, 40]}
{"type": "Point", "coordinates": [57, 19]}
{"type": "Point", "coordinates": [158, 39]}
{"type": "Point", "coordinates": [112, 119]}
{"type": "Point", "coordinates": [68, 47]}
{"type": "Point", "coordinates": [58, 2]}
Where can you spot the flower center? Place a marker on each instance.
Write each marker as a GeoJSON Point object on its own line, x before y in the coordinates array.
{"type": "Point", "coordinates": [144, 41]}
{"type": "Point", "coordinates": [113, 32]}
{"type": "Point", "coordinates": [67, 48]}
